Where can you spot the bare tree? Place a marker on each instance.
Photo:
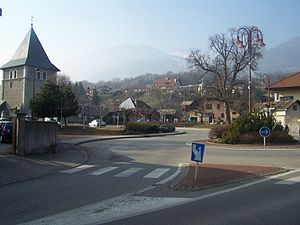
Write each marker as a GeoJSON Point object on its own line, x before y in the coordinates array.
{"type": "Point", "coordinates": [223, 66]}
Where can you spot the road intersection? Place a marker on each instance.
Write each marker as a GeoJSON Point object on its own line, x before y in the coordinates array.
{"type": "Point", "coordinates": [133, 177]}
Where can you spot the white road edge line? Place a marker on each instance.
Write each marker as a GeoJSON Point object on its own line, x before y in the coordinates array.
{"type": "Point", "coordinates": [290, 181]}
{"type": "Point", "coordinates": [129, 205]}
{"type": "Point", "coordinates": [182, 201]}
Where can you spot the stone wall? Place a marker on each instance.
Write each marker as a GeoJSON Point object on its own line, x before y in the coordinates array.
{"type": "Point", "coordinates": [35, 137]}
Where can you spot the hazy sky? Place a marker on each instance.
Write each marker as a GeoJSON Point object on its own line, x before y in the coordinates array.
{"type": "Point", "coordinates": [68, 28]}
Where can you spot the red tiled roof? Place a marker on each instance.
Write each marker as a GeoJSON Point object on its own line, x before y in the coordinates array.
{"type": "Point", "coordinates": [289, 82]}
{"type": "Point", "coordinates": [167, 82]}
{"type": "Point", "coordinates": [277, 105]}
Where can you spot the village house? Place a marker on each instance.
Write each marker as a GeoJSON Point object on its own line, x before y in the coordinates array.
{"type": "Point", "coordinates": [208, 110]}
{"type": "Point", "coordinates": [287, 88]}
{"type": "Point", "coordinates": [167, 85]}
{"type": "Point", "coordinates": [133, 109]}
{"type": "Point", "coordinates": [286, 112]}
{"type": "Point", "coordinates": [285, 108]}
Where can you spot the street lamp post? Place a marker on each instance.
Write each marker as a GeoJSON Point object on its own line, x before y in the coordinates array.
{"type": "Point", "coordinates": [248, 35]}
{"type": "Point", "coordinates": [88, 104]}
{"type": "Point", "coordinates": [267, 81]}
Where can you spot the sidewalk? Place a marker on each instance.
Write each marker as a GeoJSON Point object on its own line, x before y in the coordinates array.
{"type": "Point", "coordinates": [14, 168]}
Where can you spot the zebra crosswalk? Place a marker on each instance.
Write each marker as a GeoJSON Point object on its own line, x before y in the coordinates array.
{"type": "Point", "coordinates": [103, 170]}
{"type": "Point", "coordinates": [77, 169]}
{"type": "Point", "coordinates": [118, 171]}
{"type": "Point", "coordinates": [157, 173]}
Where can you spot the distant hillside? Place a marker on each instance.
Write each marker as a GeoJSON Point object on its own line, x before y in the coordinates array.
{"type": "Point", "coordinates": [130, 61]}
{"type": "Point", "coordinates": [283, 58]}
{"type": "Point", "coordinates": [124, 61]}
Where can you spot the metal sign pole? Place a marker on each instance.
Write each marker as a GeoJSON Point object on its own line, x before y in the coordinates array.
{"type": "Point", "coordinates": [196, 171]}
{"type": "Point", "coordinates": [264, 141]}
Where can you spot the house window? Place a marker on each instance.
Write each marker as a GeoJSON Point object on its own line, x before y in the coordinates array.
{"type": "Point", "coordinates": [218, 106]}
{"type": "Point", "coordinates": [233, 113]}
{"type": "Point", "coordinates": [10, 74]}
{"type": "Point", "coordinates": [286, 98]}
{"type": "Point", "coordinates": [15, 74]}
{"type": "Point", "coordinates": [208, 106]}
{"type": "Point", "coordinates": [295, 107]}
{"type": "Point", "coordinates": [44, 75]}
{"type": "Point", "coordinates": [10, 84]}
{"type": "Point", "coordinates": [222, 115]}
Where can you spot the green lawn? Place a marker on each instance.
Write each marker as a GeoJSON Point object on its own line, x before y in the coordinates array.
{"type": "Point", "coordinates": [80, 130]}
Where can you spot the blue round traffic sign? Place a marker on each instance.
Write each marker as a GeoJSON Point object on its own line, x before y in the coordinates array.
{"type": "Point", "coordinates": [264, 132]}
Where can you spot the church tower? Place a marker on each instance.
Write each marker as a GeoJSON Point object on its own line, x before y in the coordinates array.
{"type": "Point", "coordinates": [26, 72]}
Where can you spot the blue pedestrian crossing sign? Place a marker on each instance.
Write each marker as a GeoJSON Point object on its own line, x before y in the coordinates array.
{"type": "Point", "coordinates": [197, 152]}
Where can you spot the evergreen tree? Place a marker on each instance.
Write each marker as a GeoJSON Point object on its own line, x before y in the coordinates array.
{"type": "Point", "coordinates": [56, 99]}
{"type": "Point", "coordinates": [45, 103]}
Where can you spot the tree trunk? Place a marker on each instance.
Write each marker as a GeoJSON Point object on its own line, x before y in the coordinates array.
{"type": "Point", "coordinates": [227, 113]}
{"type": "Point", "coordinates": [65, 120]}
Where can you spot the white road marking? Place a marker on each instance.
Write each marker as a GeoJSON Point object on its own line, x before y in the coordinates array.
{"type": "Point", "coordinates": [290, 181]}
{"type": "Point", "coordinates": [76, 169]}
{"type": "Point", "coordinates": [129, 205]}
{"type": "Point", "coordinates": [107, 211]}
{"type": "Point", "coordinates": [157, 173]}
{"type": "Point", "coordinates": [128, 172]}
{"type": "Point", "coordinates": [103, 170]}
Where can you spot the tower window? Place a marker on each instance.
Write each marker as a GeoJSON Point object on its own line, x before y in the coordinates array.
{"type": "Point", "coordinates": [44, 75]}
{"type": "Point", "coordinates": [15, 74]}
{"type": "Point", "coordinates": [10, 74]}
{"type": "Point", "coordinates": [38, 75]}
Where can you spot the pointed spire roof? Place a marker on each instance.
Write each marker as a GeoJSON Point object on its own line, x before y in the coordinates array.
{"type": "Point", "coordinates": [31, 53]}
{"type": "Point", "coordinates": [127, 104]}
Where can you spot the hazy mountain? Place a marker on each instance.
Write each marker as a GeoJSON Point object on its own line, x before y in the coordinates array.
{"type": "Point", "coordinates": [124, 61]}
{"type": "Point", "coordinates": [283, 58]}
{"type": "Point", "coordinates": [134, 60]}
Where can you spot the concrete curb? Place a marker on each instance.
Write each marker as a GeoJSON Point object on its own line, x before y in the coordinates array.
{"type": "Point", "coordinates": [177, 180]}
{"type": "Point", "coordinates": [128, 137]}
{"type": "Point", "coordinates": [241, 147]}
{"type": "Point", "coordinates": [197, 187]}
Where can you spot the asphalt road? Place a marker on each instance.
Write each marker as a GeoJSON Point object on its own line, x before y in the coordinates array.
{"type": "Point", "coordinates": [173, 150]}
{"type": "Point", "coordinates": [274, 201]}
{"type": "Point", "coordinates": [116, 168]}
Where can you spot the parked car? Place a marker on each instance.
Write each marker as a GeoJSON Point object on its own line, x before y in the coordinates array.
{"type": "Point", "coordinates": [6, 132]}
{"type": "Point", "coordinates": [143, 119]}
{"type": "Point", "coordinates": [97, 123]}
{"type": "Point", "coordinates": [3, 119]}
{"type": "Point", "coordinates": [3, 122]}
{"type": "Point", "coordinates": [53, 120]}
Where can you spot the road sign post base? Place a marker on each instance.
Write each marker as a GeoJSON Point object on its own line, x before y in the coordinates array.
{"type": "Point", "coordinates": [196, 171]}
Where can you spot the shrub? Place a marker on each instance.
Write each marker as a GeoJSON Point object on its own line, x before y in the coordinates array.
{"type": "Point", "coordinates": [230, 137]}
{"type": "Point", "coordinates": [280, 136]}
{"type": "Point", "coordinates": [250, 138]}
{"type": "Point", "coordinates": [141, 128]}
{"type": "Point", "coordinates": [166, 128]}
{"type": "Point", "coordinates": [247, 126]}
{"type": "Point", "coordinates": [217, 131]}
